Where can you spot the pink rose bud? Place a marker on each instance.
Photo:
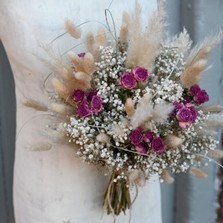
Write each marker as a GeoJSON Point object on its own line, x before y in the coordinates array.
{"type": "Point", "coordinates": [128, 81]}
{"type": "Point", "coordinates": [148, 136]}
{"type": "Point", "coordinates": [81, 55]}
{"type": "Point", "coordinates": [78, 95]}
{"type": "Point", "coordinates": [96, 104]}
{"type": "Point", "coordinates": [201, 97]}
{"type": "Point", "coordinates": [184, 115]}
{"type": "Point", "coordinates": [194, 89]}
{"type": "Point", "coordinates": [83, 110]}
{"type": "Point", "coordinates": [142, 148]}
{"type": "Point", "coordinates": [158, 145]}
{"type": "Point", "coordinates": [136, 136]}
{"type": "Point", "coordinates": [140, 73]}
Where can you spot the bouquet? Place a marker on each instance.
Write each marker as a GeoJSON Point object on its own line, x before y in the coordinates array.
{"type": "Point", "coordinates": [131, 103]}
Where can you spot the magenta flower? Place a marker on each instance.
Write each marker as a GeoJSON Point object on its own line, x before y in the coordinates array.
{"type": "Point", "coordinates": [83, 110]}
{"type": "Point", "coordinates": [184, 115]}
{"type": "Point", "coordinates": [201, 97]}
{"type": "Point", "coordinates": [177, 107]}
{"type": "Point", "coordinates": [136, 136]}
{"type": "Point", "coordinates": [81, 55]}
{"type": "Point", "coordinates": [96, 104]}
{"type": "Point", "coordinates": [142, 148]}
{"type": "Point", "coordinates": [78, 95]}
{"type": "Point", "coordinates": [194, 89]}
{"type": "Point", "coordinates": [193, 112]}
{"type": "Point", "coordinates": [127, 80]}
{"type": "Point", "coordinates": [148, 136]}
{"type": "Point", "coordinates": [158, 145]}
{"type": "Point", "coordinates": [91, 94]}
{"type": "Point", "coordinates": [140, 73]}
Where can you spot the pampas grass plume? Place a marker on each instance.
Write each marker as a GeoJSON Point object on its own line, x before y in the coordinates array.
{"type": "Point", "coordinates": [90, 42]}
{"type": "Point", "coordinates": [192, 74]}
{"type": "Point", "coordinates": [101, 37]}
{"type": "Point", "coordinates": [216, 154]}
{"type": "Point", "coordinates": [89, 64]}
{"type": "Point", "coordinates": [197, 172]}
{"type": "Point", "coordinates": [173, 141]}
{"type": "Point", "coordinates": [167, 177]}
{"type": "Point", "coordinates": [41, 146]}
{"type": "Point", "coordinates": [60, 88]}
{"type": "Point", "coordinates": [124, 27]}
{"type": "Point", "coordinates": [212, 108]}
{"type": "Point", "coordinates": [35, 105]}
{"type": "Point", "coordinates": [61, 108]}
{"type": "Point", "coordinates": [66, 74]}
{"type": "Point", "coordinates": [129, 107]}
{"type": "Point", "coordinates": [72, 29]}
{"type": "Point", "coordinates": [76, 60]}
{"type": "Point", "coordinates": [82, 76]}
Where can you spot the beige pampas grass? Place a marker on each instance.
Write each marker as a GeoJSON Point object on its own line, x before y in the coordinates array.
{"type": "Point", "coordinates": [212, 108]}
{"type": "Point", "coordinates": [76, 60]}
{"type": "Point", "coordinates": [192, 74]}
{"type": "Point", "coordinates": [82, 76]}
{"type": "Point", "coordinates": [72, 29]}
{"type": "Point", "coordinates": [89, 64]}
{"type": "Point", "coordinates": [167, 177]}
{"type": "Point", "coordinates": [161, 112]}
{"type": "Point", "coordinates": [215, 154]}
{"type": "Point", "coordinates": [41, 146]}
{"type": "Point", "coordinates": [60, 88]}
{"type": "Point", "coordinates": [35, 105]}
{"type": "Point", "coordinates": [197, 172]}
{"type": "Point", "coordinates": [90, 42]}
{"type": "Point", "coordinates": [61, 109]}
{"type": "Point", "coordinates": [67, 75]}
{"type": "Point", "coordinates": [173, 141]}
{"type": "Point", "coordinates": [101, 37]}
{"type": "Point", "coordinates": [129, 107]}
{"type": "Point", "coordinates": [124, 28]}
{"type": "Point", "coordinates": [104, 138]}
{"type": "Point", "coordinates": [197, 60]}
{"type": "Point", "coordinates": [147, 41]}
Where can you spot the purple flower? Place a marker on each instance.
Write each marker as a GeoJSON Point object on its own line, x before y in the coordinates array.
{"type": "Point", "coordinates": [91, 94]}
{"type": "Point", "coordinates": [158, 145]}
{"type": "Point", "coordinates": [142, 148]}
{"type": "Point", "coordinates": [96, 104]}
{"type": "Point", "coordinates": [127, 80]}
{"type": "Point", "coordinates": [177, 107]}
{"type": "Point", "coordinates": [83, 110]}
{"type": "Point", "coordinates": [148, 136]}
{"type": "Point", "coordinates": [81, 55]}
{"type": "Point", "coordinates": [201, 97]}
{"type": "Point", "coordinates": [136, 136]}
{"type": "Point", "coordinates": [194, 89]}
{"type": "Point", "coordinates": [78, 95]}
{"type": "Point", "coordinates": [184, 115]}
{"type": "Point", "coordinates": [193, 112]}
{"type": "Point", "coordinates": [140, 73]}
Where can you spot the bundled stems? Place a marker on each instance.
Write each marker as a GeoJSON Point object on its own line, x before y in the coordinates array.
{"type": "Point", "coordinates": [117, 196]}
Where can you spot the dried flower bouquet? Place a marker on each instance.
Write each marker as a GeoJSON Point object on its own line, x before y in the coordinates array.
{"type": "Point", "coordinates": [133, 105]}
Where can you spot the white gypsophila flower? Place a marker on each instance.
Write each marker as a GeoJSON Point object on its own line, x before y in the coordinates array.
{"type": "Point", "coordinates": [167, 91]}
{"type": "Point", "coordinates": [169, 61]}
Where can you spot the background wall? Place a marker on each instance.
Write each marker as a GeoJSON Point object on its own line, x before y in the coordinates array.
{"type": "Point", "coordinates": [188, 200]}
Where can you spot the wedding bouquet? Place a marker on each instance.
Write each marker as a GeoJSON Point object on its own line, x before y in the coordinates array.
{"type": "Point", "coordinates": [132, 104]}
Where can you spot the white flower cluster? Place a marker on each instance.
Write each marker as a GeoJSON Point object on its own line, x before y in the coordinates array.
{"type": "Point", "coordinates": [169, 61]}
{"type": "Point", "coordinates": [167, 91]}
